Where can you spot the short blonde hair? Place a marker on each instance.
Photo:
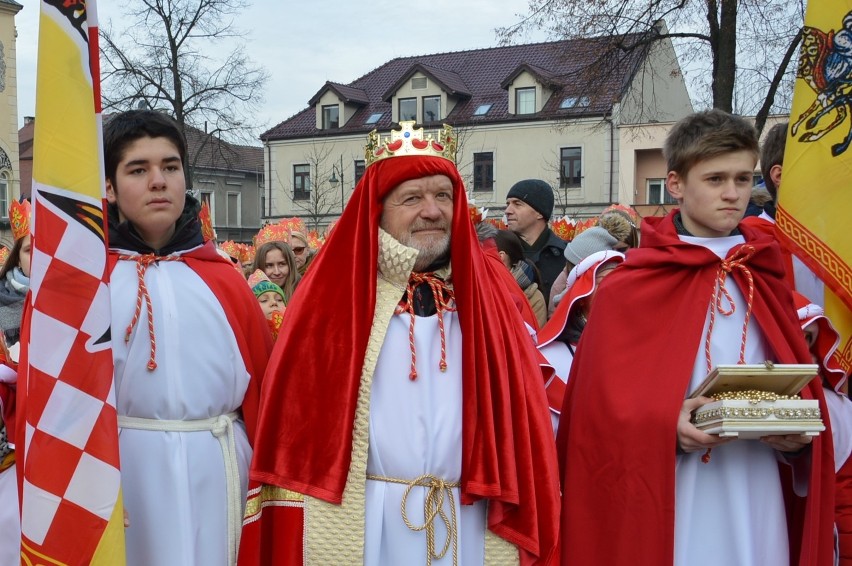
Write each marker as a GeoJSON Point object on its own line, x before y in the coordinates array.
{"type": "Point", "coordinates": [705, 135]}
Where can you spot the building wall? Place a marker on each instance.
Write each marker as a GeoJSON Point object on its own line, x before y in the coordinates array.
{"type": "Point", "coordinates": [520, 151]}
{"type": "Point", "coordinates": [657, 92]}
{"type": "Point", "coordinates": [9, 112]}
{"type": "Point", "coordinates": [220, 183]}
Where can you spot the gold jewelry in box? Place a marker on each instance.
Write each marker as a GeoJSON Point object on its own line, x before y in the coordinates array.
{"type": "Point", "coordinates": [757, 400]}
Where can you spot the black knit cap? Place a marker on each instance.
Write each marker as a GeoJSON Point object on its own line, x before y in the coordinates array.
{"type": "Point", "coordinates": [535, 193]}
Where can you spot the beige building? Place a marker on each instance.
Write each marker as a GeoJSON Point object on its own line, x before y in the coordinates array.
{"type": "Point", "coordinates": [553, 111]}
{"type": "Point", "coordinates": [9, 173]}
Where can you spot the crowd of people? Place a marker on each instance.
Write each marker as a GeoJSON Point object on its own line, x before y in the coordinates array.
{"type": "Point", "coordinates": [427, 389]}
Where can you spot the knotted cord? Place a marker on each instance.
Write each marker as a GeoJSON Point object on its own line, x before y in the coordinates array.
{"type": "Point", "coordinates": [444, 302]}
{"type": "Point", "coordinates": [433, 507]}
{"type": "Point", "coordinates": [736, 261]}
{"type": "Point", "coordinates": [142, 263]}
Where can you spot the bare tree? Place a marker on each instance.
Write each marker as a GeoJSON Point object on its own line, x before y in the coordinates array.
{"type": "Point", "coordinates": [322, 201]}
{"type": "Point", "coordinates": [737, 52]}
{"type": "Point", "coordinates": [173, 55]}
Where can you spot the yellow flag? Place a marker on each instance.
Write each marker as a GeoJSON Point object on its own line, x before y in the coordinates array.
{"type": "Point", "coordinates": [815, 202]}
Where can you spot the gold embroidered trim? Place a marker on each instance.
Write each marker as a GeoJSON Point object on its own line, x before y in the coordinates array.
{"type": "Point", "coordinates": [334, 534]}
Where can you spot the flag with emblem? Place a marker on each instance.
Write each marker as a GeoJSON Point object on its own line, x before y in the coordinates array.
{"type": "Point", "coordinates": [815, 203]}
{"type": "Point", "coordinates": [71, 510]}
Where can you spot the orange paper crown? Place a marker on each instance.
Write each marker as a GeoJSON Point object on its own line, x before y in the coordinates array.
{"type": "Point", "coordinates": [315, 241]}
{"type": "Point", "coordinates": [19, 218]}
{"type": "Point", "coordinates": [563, 228]}
{"type": "Point", "coordinates": [584, 225]}
{"type": "Point", "coordinates": [4, 255]}
{"type": "Point", "coordinates": [294, 224]}
{"type": "Point", "coordinates": [246, 253]}
{"type": "Point", "coordinates": [231, 248]}
{"type": "Point", "coordinates": [207, 231]}
{"type": "Point", "coordinates": [410, 141]}
{"type": "Point", "coordinates": [272, 233]}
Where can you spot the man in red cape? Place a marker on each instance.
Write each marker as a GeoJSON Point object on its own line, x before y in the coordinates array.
{"type": "Point", "coordinates": [382, 434]}
{"type": "Point", "coordinates": [635, 486]}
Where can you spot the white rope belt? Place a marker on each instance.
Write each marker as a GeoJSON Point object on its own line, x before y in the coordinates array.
{"type": "Point", "coordinates": [222, 427]}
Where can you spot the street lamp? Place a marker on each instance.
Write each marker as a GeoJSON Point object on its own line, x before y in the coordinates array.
{"type": "Point", "coordinates": [333, 181]}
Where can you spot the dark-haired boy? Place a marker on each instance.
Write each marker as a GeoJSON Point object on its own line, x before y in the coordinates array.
{"type": "Point", "coordinates": [194, 348]}
{"type": "Point", "coordinates": [635, 486]}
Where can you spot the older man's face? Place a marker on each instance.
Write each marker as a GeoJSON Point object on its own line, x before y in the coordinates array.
{"type": "Point", "coordinates": [419, 214]}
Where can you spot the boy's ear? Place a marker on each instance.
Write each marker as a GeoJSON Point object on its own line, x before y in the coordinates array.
{"type": "Point", "coordinates": [775, 175]}
{"type": "Point", "coordinates": [110, 192]}
{"type": "Point", "coordinates": [674, 184]}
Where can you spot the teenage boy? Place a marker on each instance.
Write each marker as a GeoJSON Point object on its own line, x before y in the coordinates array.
{"type": "Point", "coordinates": [190, 347]}
{"type": "Point", "coordinates": [636, 488]}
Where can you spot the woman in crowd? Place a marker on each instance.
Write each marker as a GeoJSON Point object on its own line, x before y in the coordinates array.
{"type": "Point", "coordinates": [277, 261]}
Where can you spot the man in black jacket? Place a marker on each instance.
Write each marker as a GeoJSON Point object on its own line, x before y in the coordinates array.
{"type": "Point", "coordinates": [529, 205]}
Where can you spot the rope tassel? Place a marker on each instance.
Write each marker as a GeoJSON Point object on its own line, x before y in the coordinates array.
{"type": "Point", "coordinates": [142, 263]}
{"type": "Point", "coordinates": [444, 301]}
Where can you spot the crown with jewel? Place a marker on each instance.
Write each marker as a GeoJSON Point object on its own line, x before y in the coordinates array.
{"type": "Point", "coordinates": [4, 255]}
{"type": "Point", "coordinates": [207, 231]}
{"type": "Point", "coordinates": [410, 141]}
{"type": "Point", "coordinates": [272, 233]}
{"type": "Point", "coordinates": [19, 218]}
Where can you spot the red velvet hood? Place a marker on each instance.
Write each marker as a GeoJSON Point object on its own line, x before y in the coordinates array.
{"type": "Point", "coordinates": [304, 438]}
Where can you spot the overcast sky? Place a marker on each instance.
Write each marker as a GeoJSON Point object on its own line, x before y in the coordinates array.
{"type": "Point", "coordinates": [304, 44]}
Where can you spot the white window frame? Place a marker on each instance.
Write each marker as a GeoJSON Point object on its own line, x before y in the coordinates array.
{"type": "Point", "coordinates": [658, 186]}
{"type": "Point", "coordinates": [238, 220]}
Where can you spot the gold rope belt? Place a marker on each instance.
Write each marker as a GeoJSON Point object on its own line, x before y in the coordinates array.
{"type": "Point", "coordinates": [433, 507]}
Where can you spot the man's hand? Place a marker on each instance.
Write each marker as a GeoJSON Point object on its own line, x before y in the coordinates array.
{"type": "Point", "coordinates": [788, 442]}
{"type": "Point", "coordinates": [689, 437]}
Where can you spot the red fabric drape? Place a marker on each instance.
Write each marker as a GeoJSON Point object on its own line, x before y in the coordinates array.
{"type": "Point", "coordinates": [307, 409]}
{"type": "Point", "coordinates": [617, 436]}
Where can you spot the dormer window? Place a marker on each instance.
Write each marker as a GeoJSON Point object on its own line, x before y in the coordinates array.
{"type": "Point", "coordinates": [574, 102]}
{"type": "Point", "coordinates": [525, 100]}
{"type": "Point", "coordinates": [431, 108]}
{"type": "Point", "coordinates": [331, 117]}
{"type": "Point", "coordinates": [374, 117]}
{"type": "Point", "coordinates": [407, 109]}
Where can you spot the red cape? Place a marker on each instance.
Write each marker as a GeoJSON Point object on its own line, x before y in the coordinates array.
{"type": "Point", "coordinates": [304, 440]}
{"type": "Point", "coordinates": [617, 436]}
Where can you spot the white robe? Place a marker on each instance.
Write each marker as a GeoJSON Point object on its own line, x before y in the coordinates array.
{"type": "Point", "coordinates": [415, 429]}
{"type": "Point", "coordinates": [174, 483]}
{"type": "Point", "coordinates": [730, 510]}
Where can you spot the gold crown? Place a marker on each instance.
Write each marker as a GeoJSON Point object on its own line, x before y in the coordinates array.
{"type": "Point", "coordinates": [410, 141]}
{"type": "Point", "coordinates": [19, 218]}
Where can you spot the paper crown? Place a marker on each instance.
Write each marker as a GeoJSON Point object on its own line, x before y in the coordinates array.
{"type": "Point", "coordinates": [294, 224]}
{"type": "Point", "coordinates": [4, 255]}
{"type": "Point", "coordinates": [256, 278]}
{"type": "Point", "coordinates": [231, 248]}
{"type": "Point", "coordinates": [477, 214]}
{"type": "Point", "coordinates": [410, 141]}
{"type": "Point", "coordinates": [315, 241]}
{"type": "Point", "coordinates": [272, 233]}
{"type": "Point", "coordinates": [207, 231]}
{"type": "Point", "coordinates": [563, 228]}
{"type": "Point", "coordinates": [246, 253]}
{"type": "Point", "coordinates": [19, 218]}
